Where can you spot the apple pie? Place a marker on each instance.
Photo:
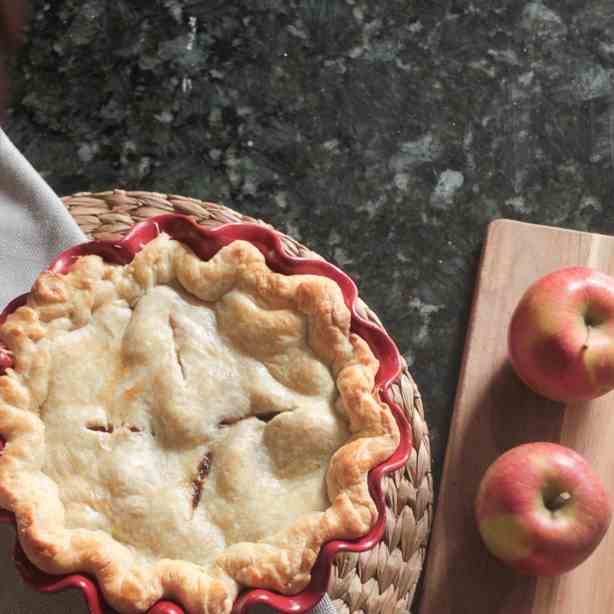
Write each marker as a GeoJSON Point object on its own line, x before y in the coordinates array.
{"type": "Point", "coordinates": [181, 429]}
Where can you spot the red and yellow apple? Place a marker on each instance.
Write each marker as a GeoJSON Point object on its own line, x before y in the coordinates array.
{"type": "Point", "coordinates": [561, 336]}
{"type": "Point", "coordinates": [541, 509]}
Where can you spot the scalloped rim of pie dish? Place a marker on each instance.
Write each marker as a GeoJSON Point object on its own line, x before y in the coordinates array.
{"type": "Point", "coordinates": [281, 562]}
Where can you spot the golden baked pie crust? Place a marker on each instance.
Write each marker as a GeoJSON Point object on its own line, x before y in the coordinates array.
{"type": "Point", "coordinates": [281, 561]}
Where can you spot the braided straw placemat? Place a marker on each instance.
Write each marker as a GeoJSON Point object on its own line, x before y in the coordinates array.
{"type": "Point", "coordinates": [382, 580]}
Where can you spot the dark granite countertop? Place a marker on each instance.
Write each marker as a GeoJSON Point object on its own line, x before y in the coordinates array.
{"type": "Point", "coordinates": [385, 135]}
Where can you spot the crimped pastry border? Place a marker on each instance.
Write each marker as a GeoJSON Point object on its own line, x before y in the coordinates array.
{"type": "Point", "coordinates": [281, 562]}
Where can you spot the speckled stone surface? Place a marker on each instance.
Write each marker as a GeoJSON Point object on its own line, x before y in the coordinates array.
{"type": "Point", "coordinates": [385, 135]}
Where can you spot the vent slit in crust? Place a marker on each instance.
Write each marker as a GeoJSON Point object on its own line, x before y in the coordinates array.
{"type": "Point", "coordinates": [262, 417]}
{"type": "Point", "coordinates": [267, 417]}
{"type": "Point", "coordinates": [100, 428]}
{"type": "Point", "coordinates": [174, 329]}
{"type": "Point", "coordinates": [110, 429]}
{"type": "Point", "coordinates": [197, 484]}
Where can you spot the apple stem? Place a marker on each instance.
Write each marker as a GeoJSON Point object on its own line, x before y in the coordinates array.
{"type": "Point", "coordinates": [558, 502]}
{"type": "Point", "coordinates": [588, 334]}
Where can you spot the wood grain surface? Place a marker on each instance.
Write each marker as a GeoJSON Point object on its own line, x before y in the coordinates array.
{"type": "Point", "coordinates": [493, 412]}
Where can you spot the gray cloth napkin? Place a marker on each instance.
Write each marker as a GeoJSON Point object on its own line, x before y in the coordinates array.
{"type": "Point", "coordinates": [34, 225]}
{"type": "Point", "coordinates": [34, 228]}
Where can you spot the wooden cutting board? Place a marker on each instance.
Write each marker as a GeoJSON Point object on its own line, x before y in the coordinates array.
{"type": "Point", "coordinates": [493, 412]}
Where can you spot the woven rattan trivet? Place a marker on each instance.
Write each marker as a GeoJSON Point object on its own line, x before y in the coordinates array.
{"type": "Point", "coordinates": [380, 581]}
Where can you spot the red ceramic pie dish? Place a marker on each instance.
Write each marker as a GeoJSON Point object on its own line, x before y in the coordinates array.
{"type": "Point", "coordinates": [205, 242]}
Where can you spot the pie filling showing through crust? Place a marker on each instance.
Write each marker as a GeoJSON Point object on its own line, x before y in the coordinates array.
{"type": "Point", "coordinates": [181, 428]}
